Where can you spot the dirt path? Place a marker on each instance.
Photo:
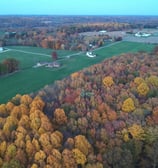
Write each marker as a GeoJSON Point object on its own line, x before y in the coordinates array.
{"type": "Point", "coordinates": [28, 52]}
{"type": "Point", "coordinates": [114, 43]}
{"type": "Point", "coordinates": [65, 57]}
{"type": "Point", "coordinates": [5, 50]}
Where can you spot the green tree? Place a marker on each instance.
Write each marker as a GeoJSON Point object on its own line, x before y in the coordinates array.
{"type": "Point", "coordinates": [12, 164]}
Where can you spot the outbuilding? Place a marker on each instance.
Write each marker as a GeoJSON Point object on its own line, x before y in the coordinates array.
{"type": "Point", "coordinates": [142, 34]}
{"type": "Point", "coordinates": [90, 54]}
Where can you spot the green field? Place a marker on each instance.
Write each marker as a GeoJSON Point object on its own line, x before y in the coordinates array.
{"type": "Point", "coordinates": [30, 79]}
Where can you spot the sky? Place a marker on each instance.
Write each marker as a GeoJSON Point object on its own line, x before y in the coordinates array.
{"type": "Point", "coordinates": [78, 7]}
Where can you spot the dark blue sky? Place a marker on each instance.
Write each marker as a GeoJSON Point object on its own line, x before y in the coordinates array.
{"type": "Point", "coordinates": [79, 7]}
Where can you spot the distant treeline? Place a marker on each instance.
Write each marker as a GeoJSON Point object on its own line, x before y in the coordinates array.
{"type": "Point", "coordinates": [64, 37]}
{"type": "Point", "coordinates": [56, 21]}
{"type": "Point", "coordinates": [62, 32]}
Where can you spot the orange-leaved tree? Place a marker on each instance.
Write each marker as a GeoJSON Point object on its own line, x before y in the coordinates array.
{"type": "Point", "coordinates": [56, 139]}
{"type": "Point", "coordinates": [39, 156]}
{"type": "Point", "coordinates": [82, 144]}
{"type": "Point", "coordinates": [79, 156]}
{"type": "Point", "coordinates": [68, 159]}
{"type": "Point", "coordinates": [59, 116]}
{"type": "Point", "coordinates": [55, 159]}
{"type": "Point", "coordinates": [26, 99]}
{"type": "Point", "coordinates": [108, 81]}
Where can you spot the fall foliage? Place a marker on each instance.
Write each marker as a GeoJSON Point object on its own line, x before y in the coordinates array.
{"type": "Point", "coordinates": [60, 117]}
{"type": "Point", "coordinates": [92, 119]}
{"type": "Point", "coordinates": [128, 105]}
{"type": "Point", "coordinates": [108, 81]}
{"type": "Point", "coordinates": [143, 89]}
{"type": "Point", "coordinates": [9, 65]}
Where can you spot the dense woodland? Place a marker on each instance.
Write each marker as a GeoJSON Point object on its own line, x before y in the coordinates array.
{"type": "Point", "coordinates": [104, 116]}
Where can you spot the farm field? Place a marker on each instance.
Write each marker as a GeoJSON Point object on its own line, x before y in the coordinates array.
{"type": "Point", "coordinates": [30, 79]}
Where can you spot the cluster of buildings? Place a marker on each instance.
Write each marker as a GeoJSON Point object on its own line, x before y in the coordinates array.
{"type": "Point", "coordinates": [142, 34]}
{"type": "Point", "coordinates": [47, 64]}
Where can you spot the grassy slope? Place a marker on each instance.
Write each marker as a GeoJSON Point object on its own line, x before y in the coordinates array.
{"type": "Point", "coordinates": [30, 79]}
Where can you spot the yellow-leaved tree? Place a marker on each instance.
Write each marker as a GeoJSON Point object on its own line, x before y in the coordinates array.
{"type": "Point", "coordinates": [133, 132]}
{"type": "Point", "coordinates": [108, 81]}
{"type": "Point", "coordinates": [56, 139]}
{"type": "Point", "coordinates": [40, 157]}
{"type": "Point", "coordinates": [10, 152]}
{"type": "Point", "coordinates": [26, 99]}
{"type": "Point", "coordinates": [30, 149]}
{"type": "Point", "coordinates": [37, 103]}
{"type": "Point", "coordinates": [10, 125]}
{"type": "Point", "coordinates": [3, 147]}
{"type": "Point", "coordinates": [136, 131]}
{"type": "Point", "coordinates": [45, 142]}
{"type": "Point", "coordinates": [60, 117]}
{"type": "Point", "coordinates": [68, 159]}
{"type": "Point", "coordinates": [128, 105]}
{"type": "Point", "coordinates": [82, 144]}
{"type": "Point", "coordinates": [138, 80]}
{"type": "Point", "coordinates": [79, 156]}
{"type": "Point", "coordinates": [3, 110]}
{"type": "Point", "coordinates": [34, 165]}
{"type": "Point", "coordinates": [153, 80]}
{"type": "Point", "coordinates": [143, 89]}
{"type": "Point", "coordinates": [55, 159]}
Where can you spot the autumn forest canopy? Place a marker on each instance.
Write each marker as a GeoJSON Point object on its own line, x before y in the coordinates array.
{"type": "Point", "coordinates": [93, 118]}
{"type": "Point", "coordinates": [102, 116]}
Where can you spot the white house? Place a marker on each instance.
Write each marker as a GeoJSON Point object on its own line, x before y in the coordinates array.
{"type": "Point", "coordinates": [146, 35]}
{"type": "Point", "coordinates": [90, 54]}
{"type": "Point", "coordinates": [102, 32]}
{"type": "Point", "coordinates": [142, 34]}
{"type": "Point", "coordinates": [53, 65]}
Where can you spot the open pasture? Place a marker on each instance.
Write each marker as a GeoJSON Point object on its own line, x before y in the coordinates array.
{"type": "Point", "coordinates": [29, 79]}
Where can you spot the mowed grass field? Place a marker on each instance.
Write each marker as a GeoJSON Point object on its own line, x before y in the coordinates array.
{"type": "Point", "coordinates": [29, 79]}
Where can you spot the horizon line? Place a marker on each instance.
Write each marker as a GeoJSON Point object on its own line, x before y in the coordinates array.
{"type": "Point", "coordinates": [77, 15]}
